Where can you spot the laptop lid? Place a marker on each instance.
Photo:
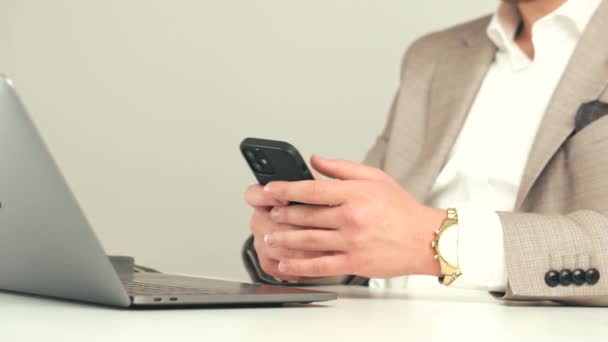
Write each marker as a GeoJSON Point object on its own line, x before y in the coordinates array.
{"type": "Point", "coordinates": [47, 246]}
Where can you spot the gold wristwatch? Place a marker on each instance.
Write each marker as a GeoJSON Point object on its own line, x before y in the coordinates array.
{"type": "Point", "coordinates": [446, 248]}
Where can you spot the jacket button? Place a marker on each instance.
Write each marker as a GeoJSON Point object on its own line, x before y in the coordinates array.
{"type": "Point", "coordinates": [552, 278]}
{"type": "Point", "coordinates": [578, 277]}
{"type": "Point", "coordinates": [592, 276]}
{"type": "Point", "coordinates": [565, 277]}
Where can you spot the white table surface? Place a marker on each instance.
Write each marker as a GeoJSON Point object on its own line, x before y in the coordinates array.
{"type": "Point", "coordinates": [360, 314]}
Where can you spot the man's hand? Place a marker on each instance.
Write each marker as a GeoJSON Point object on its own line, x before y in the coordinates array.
{"type": "Point", "coordinates": [261, 225]}
{"type": "Point", "coordinates": [363, 223]}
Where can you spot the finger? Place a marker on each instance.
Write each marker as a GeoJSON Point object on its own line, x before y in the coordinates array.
{"type": "Point", "coordinates": [318, 267]}
{"type": "Point", "coordinates": [255, 196]}
{"type": "Point", "coordinates": [279, 253]}
{"type": "Point", "coordinates": [271, 267]}
{"type": "Point", "coordinates": [307, 216]}
{"type": "Point", "coordinates": [317, 240]}
{"type": "Point", "coordinates": [261, 226]}
{"type": "Point", "coordinates": [345, 169]}
{"type": "Point", "coordinates": [319, 176]}
{"type": "Point", "coordinates": [261, 223]}
{"type": "Point", "coordinates": [320, 192]}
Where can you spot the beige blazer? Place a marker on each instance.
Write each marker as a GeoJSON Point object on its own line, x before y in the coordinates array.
{"type": "Point", "coordinates": [561, 215]}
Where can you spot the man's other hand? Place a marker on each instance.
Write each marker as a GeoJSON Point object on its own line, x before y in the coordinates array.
{"type": "Point", "coordinates": [261, 225]}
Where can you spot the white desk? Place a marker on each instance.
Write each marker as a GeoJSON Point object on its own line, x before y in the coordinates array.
{"type": "Point", "coordinates": [359, 315]}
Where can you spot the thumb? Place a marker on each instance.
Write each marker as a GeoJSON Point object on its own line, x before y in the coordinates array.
{"type": "Point", "coordinates": [345, 169]}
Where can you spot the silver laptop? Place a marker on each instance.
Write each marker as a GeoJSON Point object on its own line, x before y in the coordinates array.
{"type": "Point", "coordinates": [48, 248]}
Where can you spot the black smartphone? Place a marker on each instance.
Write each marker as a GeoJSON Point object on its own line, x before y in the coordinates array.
{"type": "Point", "coordinates": [272, 160]}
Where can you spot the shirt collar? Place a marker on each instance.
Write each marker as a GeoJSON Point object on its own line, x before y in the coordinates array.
{"type": "Point", "coordinates": [503, 25]}
{"type": "Point", "coordinates": [506, 20]}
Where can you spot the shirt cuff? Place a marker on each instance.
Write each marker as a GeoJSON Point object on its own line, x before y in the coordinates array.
{"type": "Point", "coordinates": [481, 252]}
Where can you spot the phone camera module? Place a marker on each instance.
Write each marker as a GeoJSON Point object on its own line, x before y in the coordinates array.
{"type": "Point", "coordinates": [258, 161]}
{"type": "Point", "coordinates": [250, 155]}
{"type": "Point", "coordinates": [256, 166]}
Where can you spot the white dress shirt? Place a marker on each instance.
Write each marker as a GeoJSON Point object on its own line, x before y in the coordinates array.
{"type": "Point", "coordinates": [485, 166]}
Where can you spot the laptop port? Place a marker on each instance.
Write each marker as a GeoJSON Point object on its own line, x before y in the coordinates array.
{"type": "Point", "coordinates": [173, 299]}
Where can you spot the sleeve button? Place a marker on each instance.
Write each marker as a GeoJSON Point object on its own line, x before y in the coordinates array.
{"type": "Point", "coordinates": [578, 277]}
{"type": "Point", "coordinates": [565, 277]}
{"type": "Point", "coordinates": [592, 276]}
{"type": "Point", "coordinates": [552, 278]}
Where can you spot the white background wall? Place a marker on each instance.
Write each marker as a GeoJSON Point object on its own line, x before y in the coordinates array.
{"type": "Point", "coordinates": [144, 102]}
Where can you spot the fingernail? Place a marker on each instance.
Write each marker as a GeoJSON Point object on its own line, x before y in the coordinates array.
{"type": "Point", "coordinates": [283, 267]}
{"type": "Point", "coordinates": [267, 187]}
{"type": "Point", "coordinates": [269, 239]}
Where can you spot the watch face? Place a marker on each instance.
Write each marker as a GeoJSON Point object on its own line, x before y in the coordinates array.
{"type": "Point", "coordinates": [448, 244]}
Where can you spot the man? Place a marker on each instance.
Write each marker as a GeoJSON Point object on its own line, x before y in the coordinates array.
{"type": "Point", "coordinates": [500, 119]}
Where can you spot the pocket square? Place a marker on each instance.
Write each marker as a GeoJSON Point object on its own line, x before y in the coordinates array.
{"type": "Point", "coordinates": [589, 112]}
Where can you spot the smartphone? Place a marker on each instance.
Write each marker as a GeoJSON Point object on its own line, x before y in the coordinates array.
{"type": "Point", "coordinates": [272, 160]}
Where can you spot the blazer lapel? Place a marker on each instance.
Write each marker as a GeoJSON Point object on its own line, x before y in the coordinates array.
{"type": "Point", "coordinates": [456, 81]}
{"type": "Point", "coordinates": [583, 80]}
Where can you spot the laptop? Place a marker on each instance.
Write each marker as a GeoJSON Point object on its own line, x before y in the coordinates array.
{"type": "Point", "coordinates": [48, 248]}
